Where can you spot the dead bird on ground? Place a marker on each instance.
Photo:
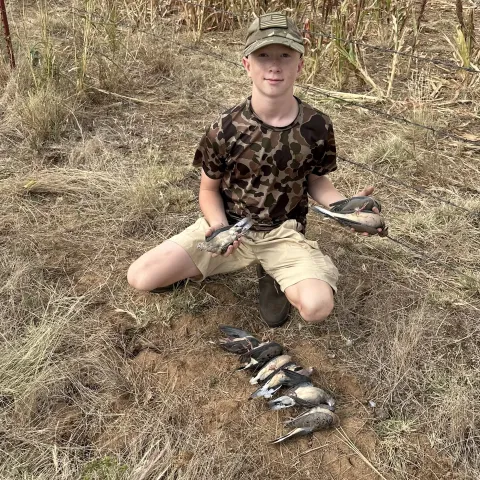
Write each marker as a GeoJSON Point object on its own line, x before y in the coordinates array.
{"type": "Point", "coordinates": [259, 356]}
{"type": "Point", "coordinates": [318, 418]}
{"type": "Point", "coordinates": [270, 367]}
{"type": "Point", "coordinates": [303, 395]}
{"type": "Point", "coordinates": [360, 221]}
{"type": "Point", "coordinates": [221, 239]}
{"type": "Point", "coordinates": [286, 376]}
{"type": "Point", "coordinates": [237, 341]}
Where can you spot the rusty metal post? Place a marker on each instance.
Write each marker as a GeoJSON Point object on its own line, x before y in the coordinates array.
{"type": "Point", "coordinates": [6, 32]}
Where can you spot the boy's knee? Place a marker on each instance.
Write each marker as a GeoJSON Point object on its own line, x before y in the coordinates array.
{"type": "Point", "coordinates": [315, 311]}
{"type": "Point", "coordinates": [138, 276]}
{"type": "Point", "coordinates": [134, 277]}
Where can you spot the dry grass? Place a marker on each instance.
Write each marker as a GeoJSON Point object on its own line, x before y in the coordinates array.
{"type": "Point", "coordinates": [100, 382]}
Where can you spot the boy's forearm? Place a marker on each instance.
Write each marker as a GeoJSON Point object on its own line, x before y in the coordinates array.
{"type": "Point", "coordinates": [322, 190]}
{"type": "Point", "coordinates": [211, 205]}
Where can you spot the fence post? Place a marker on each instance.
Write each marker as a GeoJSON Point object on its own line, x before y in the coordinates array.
{"type": "Point", "coordinates": [6, 32]}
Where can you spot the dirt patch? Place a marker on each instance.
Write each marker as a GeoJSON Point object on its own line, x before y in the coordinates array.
{"type": "Point", "coordinates": [208, 374]}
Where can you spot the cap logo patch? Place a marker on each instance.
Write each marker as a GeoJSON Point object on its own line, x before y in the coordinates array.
{"type": "Point", "coordinates": [275, 20]}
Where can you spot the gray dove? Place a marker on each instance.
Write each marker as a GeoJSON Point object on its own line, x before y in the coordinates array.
{"type": "Point", "coordinates": [221, 239]}
{"type": "Point", "coordinates": [302, 395]}
{"type": "Point", "coordinates": [237, 341]}
{"type": "Point", "coordinates": [318, 418]}
{"type": "Point", "coordinates": [285, 376]}
{"type": "Point", "coordinates": [257, 357]}
{"type": "Point", "coordinates": [360, 221]}
{"type": "Point", "coordinates": [270, 367]}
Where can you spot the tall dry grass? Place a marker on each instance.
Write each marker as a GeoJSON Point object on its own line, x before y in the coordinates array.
{"type": "Point", "coordinates": [99, 124]}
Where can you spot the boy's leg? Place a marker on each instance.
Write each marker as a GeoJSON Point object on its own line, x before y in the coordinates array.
{"type": "Point", "coordinates": [179, 258]}
{"type": "Point", "coordinates": [307, 277]}
{"type": "Point", "coordinates": [161, 266]}
{"type": "Point", "coordinates": [312, 297]}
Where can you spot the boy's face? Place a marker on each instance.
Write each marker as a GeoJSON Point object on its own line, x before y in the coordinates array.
{"type": "Point", "coordinates": [273, 69]}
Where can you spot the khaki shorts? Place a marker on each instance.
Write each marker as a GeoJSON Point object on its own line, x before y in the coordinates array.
{"type": "Point", "coordinates": [284, 253]}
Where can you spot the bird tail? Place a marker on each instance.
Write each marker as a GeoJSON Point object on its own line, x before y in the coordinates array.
{"type": "Point", "coordinates": [339, 217]}
{"type": "Point", "coordinates": [297, 432]}
{"type": "Point", "coordinates": [271, 391]}
{"type": "Point", "coordinates": [251, 365]}
{"type": "Point", "coordinates": [281, 402]}
{"type": "Point", "coordinates": [264, 392]}
{"type": "Point", "coordinates": [246, 223]}
{"type": "Point", "coordinates": [254, 380]}
{"type": "Point", "coordinates": [323, 211]}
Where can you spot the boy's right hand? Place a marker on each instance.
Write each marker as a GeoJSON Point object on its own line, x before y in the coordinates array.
{"type": "Point", "coordinates": [230, 249]}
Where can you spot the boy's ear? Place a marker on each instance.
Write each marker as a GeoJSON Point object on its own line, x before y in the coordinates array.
{"type": "Point", "coordinates": [300, 64]}
{"type": "Point", "coordinates": [246, 64]}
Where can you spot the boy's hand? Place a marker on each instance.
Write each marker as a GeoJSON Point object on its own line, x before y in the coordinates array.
{"type": "Point", "coordinates": [213, 228]}
{"type": "Point", "coordinates": [230, 249]}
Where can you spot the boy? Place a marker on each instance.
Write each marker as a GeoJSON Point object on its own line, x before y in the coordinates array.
{"type": "Point", "coordinates": [261, 158]}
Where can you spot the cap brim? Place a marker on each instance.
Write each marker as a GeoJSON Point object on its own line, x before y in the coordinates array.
{"type": "Point", "coordinates": [274, 41]}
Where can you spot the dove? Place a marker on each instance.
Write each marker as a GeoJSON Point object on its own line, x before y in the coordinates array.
{"type": "Point", "coordinates": [270, 367]}
{"type": "Point", "coordinates": [292, 367]}
{"type": "Point", "coordinates": [284, 376]}
{"type": "Point", "coordinates": [360, 221]}
{"type": "Point", "coordinates": [318, 418]}
{"type": "Point", "coordinates": [221, 239]}
{"type": "Point", "coordinates": [302, 395]}
{"type": "Point", "coordinates": [258, 356]}
{"type": "Point", "coordinates": [237, 341]}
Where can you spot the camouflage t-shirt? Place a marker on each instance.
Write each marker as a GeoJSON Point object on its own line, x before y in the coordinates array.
{"type": "Point", "coordinates": [264, 169]}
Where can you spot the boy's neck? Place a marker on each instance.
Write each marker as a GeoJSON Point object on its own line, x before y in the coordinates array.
{"type": "Point", "coordinates": [277, 112]}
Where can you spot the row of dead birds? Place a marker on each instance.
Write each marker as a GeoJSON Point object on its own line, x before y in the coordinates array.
{"type": "Point", "coordinates": [273, 370]}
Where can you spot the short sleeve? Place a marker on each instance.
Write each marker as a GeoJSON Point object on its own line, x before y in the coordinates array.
{"type": "Point", "coordinates": [325, 153]}
{"type": "Point", "coordinates": [210, 153]}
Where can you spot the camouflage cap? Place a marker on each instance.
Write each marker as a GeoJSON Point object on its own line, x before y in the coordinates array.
{"type": "Point", "coordinates": [273, 28]}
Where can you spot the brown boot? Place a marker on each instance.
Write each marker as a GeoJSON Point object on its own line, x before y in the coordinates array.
{"type": "Point", "coordinates": [274, 306]}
